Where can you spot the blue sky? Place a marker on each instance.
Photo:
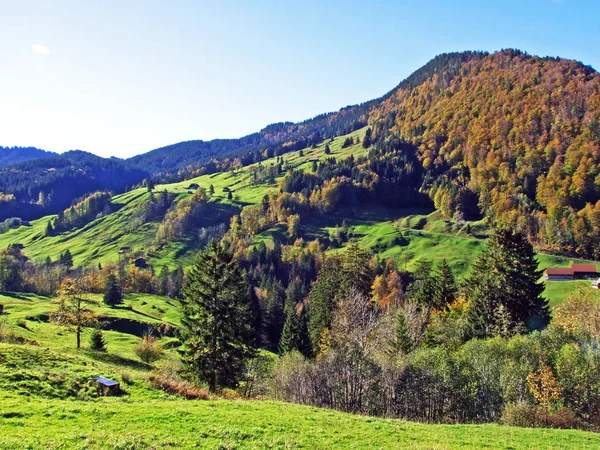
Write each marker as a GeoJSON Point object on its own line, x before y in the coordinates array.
{"type": "Point", "coordinates": [118, 78]}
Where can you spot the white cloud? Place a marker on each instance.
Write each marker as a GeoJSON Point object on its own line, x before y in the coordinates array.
{"type": "Point", "coordinates": [41, 49]}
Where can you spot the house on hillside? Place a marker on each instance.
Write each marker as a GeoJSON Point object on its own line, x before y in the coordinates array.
{"type": "Point", "coordinates": [124, 250]}
{"type": "Point", "coordinates": [575, 272]}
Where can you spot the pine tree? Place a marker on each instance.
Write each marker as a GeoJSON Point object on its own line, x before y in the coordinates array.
{"type": "Point", "coordinates": [211, 190]}
{"type": "Point", "coordinates": [97, 341]}
{"type": "Point", "coordinates": [230, 195]}
{"type": "Point", "coordinates": [327, 149]}
{"type": "Point", "coordinates": [113, 294]}
{"type": "Point", "coordinates": [217, 319]}
{"type": "Point", "coordinates": [444, 284]}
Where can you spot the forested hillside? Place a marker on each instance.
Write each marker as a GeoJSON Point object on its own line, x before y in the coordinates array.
{"type": "Point", "coordinates": [522, 133]}
{"type": "Point", "coordinates": [48, 185]}
{"type": "Point", "coordinates": [506, 136]}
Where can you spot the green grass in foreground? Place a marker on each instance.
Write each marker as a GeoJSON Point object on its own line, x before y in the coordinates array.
{"type": "Point", "coordinates": [121, 424]}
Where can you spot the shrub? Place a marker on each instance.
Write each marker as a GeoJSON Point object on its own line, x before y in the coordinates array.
{"type": "Point", "coordinates": [519, 414]}
{"type": "Point", "coordinates": [22, 323]}
{"type": "Point", "coordinates": [97, 341]}
{"type": "Point", "coordinates": [149, 350]}
{"type": "Point", "coordinates": [230, 394]}
{"type": "Point", "coordinates": [126, 377]}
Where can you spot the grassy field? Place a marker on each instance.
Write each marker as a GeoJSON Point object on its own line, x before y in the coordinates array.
{"type": "Point", "coordinates": [153, 424]}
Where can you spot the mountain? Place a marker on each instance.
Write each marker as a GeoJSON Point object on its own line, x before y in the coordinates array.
{"type": "Point", "coordinates": [281, 137]}
{"type": "Point", "coordinates": [50, 184]}
{"type": "Point", "coordinates": [14, 155]}
{"type": "Point", "coordinates": [508, 136]}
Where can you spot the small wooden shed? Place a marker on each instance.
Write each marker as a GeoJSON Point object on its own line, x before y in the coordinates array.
{"type": "Point", "coordinates": [106, 386]}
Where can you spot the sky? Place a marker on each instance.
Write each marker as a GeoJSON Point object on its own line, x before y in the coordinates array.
{"type": "Point", "coordinates": [119, 78]}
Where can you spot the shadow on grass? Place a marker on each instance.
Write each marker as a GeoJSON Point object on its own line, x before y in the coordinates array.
{"type": "Point", "coordinates": [117, 360]}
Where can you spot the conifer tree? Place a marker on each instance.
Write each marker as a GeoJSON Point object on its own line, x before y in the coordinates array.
{"type": "Point", "coordinates": [322, 299]}
{"type": "Point", "coordinates": [367, 140]}
{"type": "Point", "coordinates": [327, 149]}
{"type": "Point", "coordinates": [401, 344]}
{"type": "Point", "coordinates": [97, 341]}
{"type": "Point", "coordinates": [113, 295]}
{"type": "Point", "coordinates": [211, 190]}
{"type": "Point", "coordinates": [217, 320]}
{"type": "Point", "coordinates": [357, 271]}
{"type": "Point", "coordinates": [49, 229]}
{"type": "Point", "coordinates": [422, 290]}
{"type": "Point", "coordinates": [66, 259]}
{"type": "Point", "coordinates": [504, 288]}
{"type": "Point", "coordinates": [444, 284]}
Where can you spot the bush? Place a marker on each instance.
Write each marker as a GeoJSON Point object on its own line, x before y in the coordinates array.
{"type": "Point", "coordinates": [148, 350]}
{"type": "Point", "coordinates": [22, 323]}
{"type": "Point", "coordinates": [97, 341]}
{"type": "Point", "coordinates": [126, 377]}
{"type": "Point", "coordinates": [520, 414]}
{"type": "Point", "coordinates": [230, 394]}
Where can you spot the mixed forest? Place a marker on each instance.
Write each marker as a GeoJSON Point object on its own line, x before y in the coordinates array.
{"type": "Point", "coordinates": [258, 278]}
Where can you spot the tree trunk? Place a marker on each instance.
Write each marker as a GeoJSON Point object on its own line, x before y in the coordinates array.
{"type": "Point", "coordinates": [78, 337]}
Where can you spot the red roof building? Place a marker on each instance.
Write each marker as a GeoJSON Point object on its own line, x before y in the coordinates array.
{"type": "Point", "coordinates": [576, 271]}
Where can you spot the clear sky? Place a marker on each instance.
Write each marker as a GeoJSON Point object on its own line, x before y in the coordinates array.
{"type": "Point", "coordinates": [118, 78]}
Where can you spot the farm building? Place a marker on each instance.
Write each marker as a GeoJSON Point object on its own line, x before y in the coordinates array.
{"type": "Point", "coordinates": [575, 272]}
{"type": "Point", "coordinates": [106, 386]}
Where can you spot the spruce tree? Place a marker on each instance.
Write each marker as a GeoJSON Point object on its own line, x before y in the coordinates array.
{"type": "Point", "coordinates": [423, 288]}
{"type": "Point", "coordinates": [113, 295]}
{"type": "Point", "coordinates": [49, 229]}
{"type": "Point", "coordinates": [97, 341]}
{"type": "Point", "coordinates": [367, 140]}
{"type": "Point", "coordinates": [218, 338]}
{"type": "Point", "coordinates": [357, 271]}
{"type": "Point", "coordinates": [66, 259]}
{"type": "Point", "coordinates": [401, 344]}
{"type": "Point", "coordinates": [444, 285]}
{"type": "Point", "coordinates": [504, 288]}
{"type": "Point", "coordinates": [322, 299]}
{"type": "Point", "coordinates": [211, 190]}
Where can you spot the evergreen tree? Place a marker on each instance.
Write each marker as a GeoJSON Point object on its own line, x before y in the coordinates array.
{"type": "Point", "coordinates": [97, 341]}
{"type": "Point", "coordinates": [504, 288]}
{"type": "Point", "coordinates": [357, 271]}
{"type": "Point", "coordinates": [422, 289]}
{"type": "Point", "coordinates": [211, 190]}
{"type": "Point", "coordinates": [113, 295]}
{"type": "Point", "coordinates": [295, 330]}
{"type": "Point", "coordinates": [401, 344]}
{"type": "Point", "coordinates": [66, 259]}
{"type": "Point", "coordinates": [217, 320]}
{"type": "Point", "coordinates": [444, 284]}
{"type": "Point", "coordinates": [327, 149]}
{"type": "Point", "coordinates": [367, 140]}
{"type": "Point", "coordinates": [315, 166]}
{"type": "Point", "coordinates": [163, 281]}
{"type": "Point", "coordinates": [49, 229]}
{"type": "Point", "coordinates": [230, 195]}
{"type": "Point", "coordinates": [322, 299]}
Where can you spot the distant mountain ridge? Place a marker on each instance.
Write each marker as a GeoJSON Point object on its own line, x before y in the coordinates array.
{"type": "Point", "coordinates": [10, 156]}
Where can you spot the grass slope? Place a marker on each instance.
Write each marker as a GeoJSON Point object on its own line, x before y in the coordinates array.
{"type": "Point", "coordinates": [403, 235]}
{"type": "Point", "coordinates": [119, 424]}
